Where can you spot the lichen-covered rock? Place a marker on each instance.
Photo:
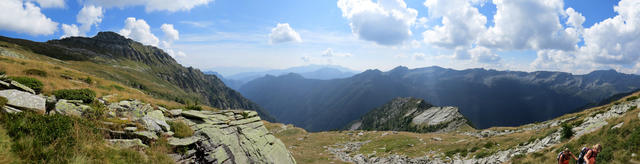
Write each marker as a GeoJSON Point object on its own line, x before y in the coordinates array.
{"type": "Point", "coordinates": [231, 136]}
{"type": "Point", "coordinates": [17, 85]}
{"type": "Point", "coordinates": [155, 121]}
{"type": "Point", "coordinates": [70, 108]}
{"type": "Point", "coordinates": [24, 100]}
{"type": "Point", "coordinates": [183, 141]}
{"type": "Point", "coordinates": [146, 135]}
{"type": "Point", "coordinates": [175, 112]}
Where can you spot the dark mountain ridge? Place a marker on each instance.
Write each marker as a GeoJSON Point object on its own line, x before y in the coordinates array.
{"type": "Point", "coordinates": [486, 97]}
{"type": "Point", "coordinates": [135, 64]}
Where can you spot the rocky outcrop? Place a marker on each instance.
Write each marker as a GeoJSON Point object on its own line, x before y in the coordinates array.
{"type": "Point", "coordinates": [229, 136]}
{"type": "Point", "coordinates": [24, 100]}
{"type": "Point", "coordinates": [411, 114]}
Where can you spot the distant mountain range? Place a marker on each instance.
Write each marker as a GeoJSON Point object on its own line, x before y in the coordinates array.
{"type": "Point", "coordinates": [143, 67]}
{"type": "Point", "coordinates": [321, 72]}
{"type": "Point", "coordinates": [486, 97]}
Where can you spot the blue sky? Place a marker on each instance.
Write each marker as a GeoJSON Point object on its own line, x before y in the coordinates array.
{"type": "Point", "coordinates": [572, 35]}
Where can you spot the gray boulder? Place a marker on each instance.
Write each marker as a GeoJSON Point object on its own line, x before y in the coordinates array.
{"type": "Point", "coordinates": [24, 101]}
{"type": "Point", "coordinates": [70, 108]}
{"type": "Point", "coordinates": [155, 121]}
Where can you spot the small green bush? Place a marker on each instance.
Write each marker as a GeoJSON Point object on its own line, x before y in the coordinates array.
{"type": "Point", "coordinates": [567, 131]}
{"type": "Point", "coordinates": [180, 129]}
{"type": "Point", "coordinates": [482, 154]}
{"type": "Point", "coordinates": [489, 144]}
{"type": "Point", "coordinates": [88, 80]}
{"type": "Point", "coordinates": [86, 95]}
{"type": "Point", "coordinates": [632, 98]}
{"type": "Point", "coordinates": [36, 72]}
{"type": "Point", "coordinates": [32, 83]}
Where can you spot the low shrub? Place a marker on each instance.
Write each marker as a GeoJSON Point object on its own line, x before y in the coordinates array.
{"type": "Point", "coordinates": [41, 138]}
{"type": "Point", "coordinates": [567, 131]}
{"type": "Point", "coordinates": [88, 80]}
{"type": "Point", "coordinates": [32, 83]}
{"type": "Point", "coordinates": [180, 129]}
{"type": "Point", "coordinates": [632, 98]}
{"type": "Point", "coordinates": [36, 72]}
{"type": "Point", "coordinates": [86, 95]}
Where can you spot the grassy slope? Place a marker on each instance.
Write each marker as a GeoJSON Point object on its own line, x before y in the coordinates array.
{"type": "Point", "coordinates": [618, 145]}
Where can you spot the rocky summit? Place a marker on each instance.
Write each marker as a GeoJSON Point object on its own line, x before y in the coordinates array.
{"type": "Point", "coordinates": [411, 114]}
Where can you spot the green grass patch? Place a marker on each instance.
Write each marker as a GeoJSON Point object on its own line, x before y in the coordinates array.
{"type": "Point", "coordinates": [32, 83]}
{"type": "Point", "coordinates": [86, 95]}
{"type": "Point", "coordinates": [389, 144]}
{"type": "Point", "coordinates": [180, 129]}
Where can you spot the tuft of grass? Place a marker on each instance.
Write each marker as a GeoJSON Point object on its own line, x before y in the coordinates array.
{"type": "Point", "coordinates": [193, 107]}
{"type": "Point", "coordinates": [632, 98]}
{"type": "Point", "coordinates": [3, 101]}
{"type": "Point", "coordinates": [35, 72]}
{"type": "Point", "coordinates": [86, 95]}
{"type": "Point", "coordinates": [180, 129]}
{"type": "Point", "coordinates": [32, 83]}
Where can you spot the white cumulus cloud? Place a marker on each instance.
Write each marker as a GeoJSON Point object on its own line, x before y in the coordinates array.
{"type": "Point", "coordinates": [139, 30]}
{"type": "Point", "coordinates": [613, 43]}
{"type": "Point", "coordinates": [461, 23]}
{"type": "Point", "coordinates": [283, 33]}
{"type": "Point", "coordinates": [70, 30]}
{"type": "Point", "coordinates": [484, 55]}
{"type": "Point", "coordinates": [169, 32]}
{"type": "Point", "coordinates": [25, 17]}
{"type": "Point", "coordinates": [152, 5]}
{"type": "Point", "coordinates": [89, 16]}
{"type": "Point", "coordinates": [385, 22]}
{"type": "Point", "coordinates": [529, 24]}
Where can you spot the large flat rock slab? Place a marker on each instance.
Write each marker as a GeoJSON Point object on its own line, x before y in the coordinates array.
{"type": "Point", "coordinates": [24, 100]}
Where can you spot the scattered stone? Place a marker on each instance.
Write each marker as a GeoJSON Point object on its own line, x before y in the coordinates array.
{"type": "Point", "coordinates": [17, 85]}
{"type": "Point", "coordinates": [175, 112]}
{"type": "Point", "coordinates": [9, 109]}
{"type": "Point", "coordinates": [436, 138]}
{"type": "Point", "coordinates": [146, 135]}
{"type": "Point", "coordinates": [24, 101]}
{"type": "Point", "coordinates": [360, 133]}
{"type": "Point", "coordinates": [4, 85]}
{"type": "Point", "coordinates": [127, 143]}
{"type": "Point", "coordinates": [617, 126]}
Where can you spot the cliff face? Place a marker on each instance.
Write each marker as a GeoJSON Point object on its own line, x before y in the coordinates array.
{"type": "Point", "coordinates": [143, 67]}
{"type": "Point", "coordinates": [411, 114]}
